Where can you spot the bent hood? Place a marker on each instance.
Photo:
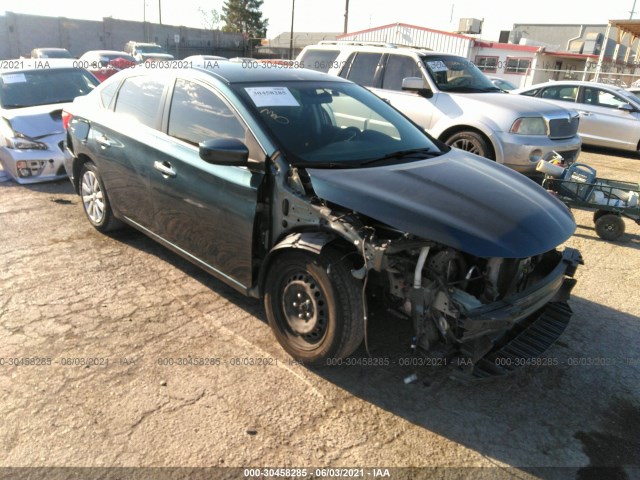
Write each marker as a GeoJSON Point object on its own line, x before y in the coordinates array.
{"type": "Point", "coordinates": [38, 121]}
{"type": "Point", "coordinates": [460, 200]}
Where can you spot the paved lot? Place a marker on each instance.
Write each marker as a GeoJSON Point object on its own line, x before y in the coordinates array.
{"type": "Point", "coordinates": [69, 293]}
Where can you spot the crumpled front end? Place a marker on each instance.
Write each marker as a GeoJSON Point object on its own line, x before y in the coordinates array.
{"type": "Point", "coordinates": [470, 308]}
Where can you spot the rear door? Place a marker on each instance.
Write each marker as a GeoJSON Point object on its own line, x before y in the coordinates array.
{"type": "Point", "coordinates": [123, 144]}
{"type": "Point", "coordinates": [206, 211]}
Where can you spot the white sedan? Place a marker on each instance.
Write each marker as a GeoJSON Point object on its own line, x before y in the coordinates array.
{"type": "Point", "coordinates": [609, 115]}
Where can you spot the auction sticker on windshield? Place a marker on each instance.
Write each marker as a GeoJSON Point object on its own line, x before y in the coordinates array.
{"type": "Point", "coordinates": [13, 78]}
{"type": "Point", "coordinates": [272, 97]}
{"type": "Point", "coordinates": [437, 66]}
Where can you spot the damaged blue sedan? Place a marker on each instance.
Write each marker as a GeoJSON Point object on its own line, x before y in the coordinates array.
{"type": "Point", "coordinates": [311, 193]}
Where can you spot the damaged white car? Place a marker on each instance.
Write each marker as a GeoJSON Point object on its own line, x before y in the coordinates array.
{"type": "Point", "coordinates": [31, 133]}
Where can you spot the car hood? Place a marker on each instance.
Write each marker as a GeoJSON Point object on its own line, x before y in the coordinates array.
{"type": "Point", "coordinates": [38, 121]}
{"type": "Point", "coordinates": [156, 56]}
{"type": "Point", "coordinates": [460, 200]}
{"type": "Point", "coordinates": [513, 105]}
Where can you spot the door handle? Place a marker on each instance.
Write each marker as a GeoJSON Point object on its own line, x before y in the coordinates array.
{"type": "Point", "coordinates": [103, 141]}
{"type": "Point", "coordinates": [164, 168]}
{"type": "Point", "coordinates": [585, 113]}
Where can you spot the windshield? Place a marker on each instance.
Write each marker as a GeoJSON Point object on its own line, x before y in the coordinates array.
{"type": "Point", "coordinates": [334, 124]}
{"type": "Point", "coordinates": [44, 87]}
{"type": "Point", "coordinates": [457, 74]}
{"type": "Point", "coordinates": [150, 49]}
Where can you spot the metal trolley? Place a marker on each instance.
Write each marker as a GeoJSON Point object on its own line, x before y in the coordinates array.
{"type": "Point", "coordinates": [611, 200]}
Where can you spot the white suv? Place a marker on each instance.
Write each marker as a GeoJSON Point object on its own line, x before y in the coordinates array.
{"type": "Point", "coordinates": [454, 101]}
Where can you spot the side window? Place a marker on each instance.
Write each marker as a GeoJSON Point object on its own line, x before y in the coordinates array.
{"type": "Point", "coordinates": [320, 60]}
{"type": "Point", "coordinates": [602, 98]}
{"type": "Point", "coordinates": [140, 98]}
{"type": "Point", "coordinates": [397, 68]}
{"type": "Point", "coordinates": [107, 93]}
{"type": "Point", "coordinates": [531, 93]}
{"type": "Point", "coordinates": [363, 69]}
{"type": "Point", "coordinates": [198, 114]}
{"type": "Point", "coordinates": [566, 93]}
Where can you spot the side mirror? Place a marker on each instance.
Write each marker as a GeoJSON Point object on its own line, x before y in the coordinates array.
{"type": "Point", "coordinates": [627, 108]}
{"type": "Point", "coordinates": [224, 151]}
{"type": "Point", "coordinates": [418, 85]}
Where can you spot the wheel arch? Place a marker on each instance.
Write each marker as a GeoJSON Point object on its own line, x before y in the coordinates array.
{"type": "Point", "coordinates": [311, 241]}
{"type": "Point", "coordinates": [77, 165]}
{"type": "Point", "coordinates": [449, 132]}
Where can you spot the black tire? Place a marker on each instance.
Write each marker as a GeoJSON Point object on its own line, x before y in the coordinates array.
{"type": "Point", "coordinates": [599, 213]}
{"type": "Point", "coordinates": [471, 142]}
{"type": "Point", "coordinates": [95, 201]}
{"type": "Point", "coordinates": [610, 227]}
{"type": "Point", "coordinates": [314, 306]}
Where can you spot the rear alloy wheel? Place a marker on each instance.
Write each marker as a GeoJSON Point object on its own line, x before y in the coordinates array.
{"type": "Point", "coordinates": [314, 306]}
{"type": "Point", "coordinates": [610, 227]}
{"type": "Point", "coordinates": [471, 142]}
{"type": "Point", "coordinates": [95, 201]}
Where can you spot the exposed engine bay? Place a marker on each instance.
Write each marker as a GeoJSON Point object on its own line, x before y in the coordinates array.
{"type": "Point", "coordinates": [459, 303]}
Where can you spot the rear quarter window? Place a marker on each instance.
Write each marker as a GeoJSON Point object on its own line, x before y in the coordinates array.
{"type": "Point", "coordinates": [320, 60]}
{"type": "Point", "coordinates": [140, 97]}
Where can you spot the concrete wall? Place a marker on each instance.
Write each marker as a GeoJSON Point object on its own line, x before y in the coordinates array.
{"type": "Point", "coordinates": [20, 33]}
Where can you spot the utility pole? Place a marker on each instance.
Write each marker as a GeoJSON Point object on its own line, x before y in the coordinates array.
{"type": "Point", "coordinates": [144, 19]}
{"type": "Point", "coordinates": [160, 11]}
{"type": "Point", "coordinates": [346, 15]}
{"type": "Point", "coordinates": [633, 10]}
{"type": "Point", "coordinates": [293, 9]}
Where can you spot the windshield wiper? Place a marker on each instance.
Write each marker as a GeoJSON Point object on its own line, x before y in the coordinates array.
{"type": "Point", "coordinates": [422, 152]}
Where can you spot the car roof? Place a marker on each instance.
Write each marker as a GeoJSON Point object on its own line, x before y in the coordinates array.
{"type": "Point", "coordinates": [50, 49]}
{"type": "Point", "coordinates": [578, 83]}
{"type": "Point", "coordinates": [232, 73]}
{"type": "Point", "coordinates": [106, 52]}
{"type": "Point", "coordinates": [381, 47]}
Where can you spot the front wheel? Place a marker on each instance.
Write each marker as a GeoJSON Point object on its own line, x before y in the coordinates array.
{"type": "Point", "coordinates": [314, 306]}
{"type": "Point", "coordinates": [610, 227]}
{"type": "Point", "coordinates": [470, 142]}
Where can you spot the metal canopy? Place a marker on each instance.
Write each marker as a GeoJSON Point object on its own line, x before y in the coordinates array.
{"type": "Point", "coordinates": [627, 32]}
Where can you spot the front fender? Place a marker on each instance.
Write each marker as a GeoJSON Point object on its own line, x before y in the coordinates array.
{"type": "Point", "coordinates": [312, 242]}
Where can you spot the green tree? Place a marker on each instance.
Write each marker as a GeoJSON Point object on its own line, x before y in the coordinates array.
{"type": "Point", "coordinates": [244, 16]}
{"type": "Point", "coordinates": [210, 19]}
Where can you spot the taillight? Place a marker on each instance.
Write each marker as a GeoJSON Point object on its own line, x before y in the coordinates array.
{"type": "Point", "coordinates": [66, 118]}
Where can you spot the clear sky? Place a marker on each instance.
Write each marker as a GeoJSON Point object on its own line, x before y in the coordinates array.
{"type": "Point", "coordinates": [328, 15]}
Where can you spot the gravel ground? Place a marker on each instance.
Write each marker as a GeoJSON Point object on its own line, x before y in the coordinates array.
{"type": "Point", "coordinates": [132, 309]}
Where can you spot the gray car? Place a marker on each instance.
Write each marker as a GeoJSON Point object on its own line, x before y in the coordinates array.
{"type": "Point", "coordinates": [313, 194]}
{"type": "Point", "coordinates": [32, 95]}
{"type": "Point", "coordinates": [609, 115]}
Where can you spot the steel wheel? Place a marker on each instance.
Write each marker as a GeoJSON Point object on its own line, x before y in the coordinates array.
{"type": "Point", "coordinates": [471, 142]}
{"type": "Point", "coordinates": [314, 306]}
{"type": "Point", "coordinates": [95, 200]}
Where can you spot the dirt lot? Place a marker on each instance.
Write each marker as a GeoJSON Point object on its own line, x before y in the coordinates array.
{"type": "Point", "coordinates": [71, 296]}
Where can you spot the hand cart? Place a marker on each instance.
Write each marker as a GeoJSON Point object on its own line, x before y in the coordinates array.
{"type": "Point", "coordinates": [610, 200]}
